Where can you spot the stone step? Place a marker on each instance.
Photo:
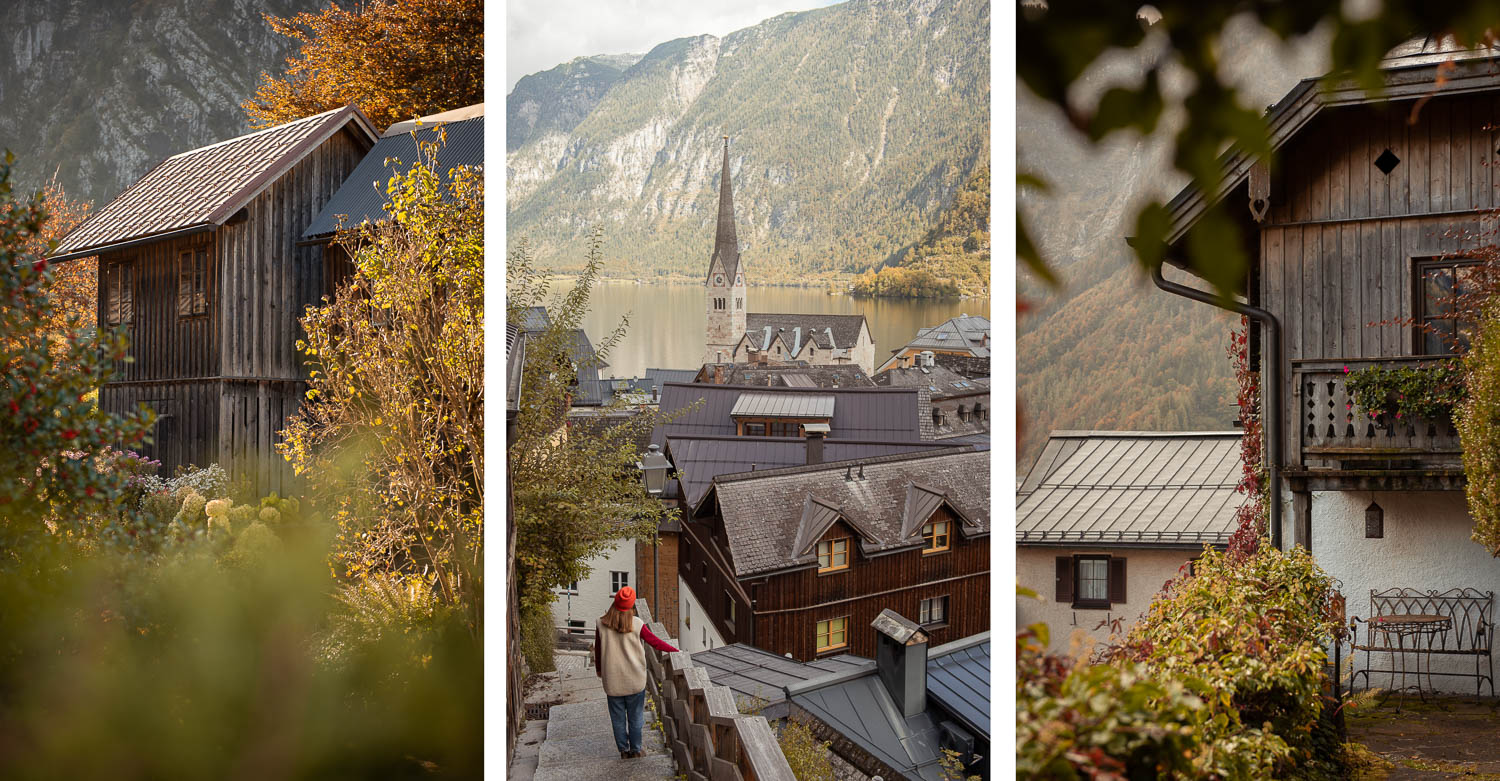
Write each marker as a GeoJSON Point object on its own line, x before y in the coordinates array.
{"type": "Point", "coordinates": [579, 710]}
{"type": "Point", "coordinates": [601, 745]}
{"type": "Point", "coordinates": [579, 727]}
{"type": "Point", "coordinates": [654, 767]}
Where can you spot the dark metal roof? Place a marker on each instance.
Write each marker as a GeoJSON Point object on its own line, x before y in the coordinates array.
{"type": "Point", "coordinates": [783, 405]}
{"type": "Point", "coordinates": [759, 677]}
{"type": "Point", "coordinates": [876, 414]}
{"type": "Point", "coordinates": [764, 511]}
{"type": "Point", "coordinates": [819, 328]}
{"type": "Point", "coordinates": [362, 197]}
{"type": "Point", "coordinates": [726, 244]}
{"type": "Point", "coordinates": [660, 377]}
{"type": "Point", "coordinates": [1139, 488]}
{"type": "Point", "coordinates": [535, 318]}
{"type": "Point", "coordinates": [515, 357]}
{"type": "Point", "coordinates": [204, 187]}
{"type": "Point", "coordinates": [958, 679]}
{"type": "Point", "coordinates": [858, 706]}
{"type": "Point", "coordinates": [701, 459]}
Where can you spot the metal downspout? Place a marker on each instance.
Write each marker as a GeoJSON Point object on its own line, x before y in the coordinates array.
{"type": "Point", "coordinates": [1272, 407]}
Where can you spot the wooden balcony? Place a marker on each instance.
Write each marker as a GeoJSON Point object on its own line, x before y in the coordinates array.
{"type": "Point", "coordinates": [1339, 445]}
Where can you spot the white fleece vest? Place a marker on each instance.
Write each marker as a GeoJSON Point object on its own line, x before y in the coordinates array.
{"type": "Point", "coordinates": [622, 658]}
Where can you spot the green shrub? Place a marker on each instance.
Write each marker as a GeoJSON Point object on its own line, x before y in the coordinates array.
{"type": "Point", "coordinates": [536, 638]}
{"type": "Point", "coordinates": [1478, 424]}
{"type": "Point", "coordinates": [807, 756]}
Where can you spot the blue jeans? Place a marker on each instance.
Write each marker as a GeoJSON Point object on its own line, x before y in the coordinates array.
{"type": "Point", "coordinates": [627, 715]}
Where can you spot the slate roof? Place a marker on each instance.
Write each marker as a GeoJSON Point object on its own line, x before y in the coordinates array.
{"type": "Point", "coordinates": [701, 459]}
{"type": "Point", "coordinates": [790, 374]}
{"type": "Point", "coordinates": [875, 414]}
{"type": "Point", "coordinates": [857, 706]}
{"type": "Point", "coordinates": [826, 331]}
{"type": "Point", "coordinates": [362, 197]}
{"type": "Point", "coordinates": [940, 381]}
{"type": "Point", "coordinates": [753, 674]}
{"type": "Point", "coordinates": [203, 188]}
{"type": "Point", "coordinates": [965, 333]}
{"type": "Point", "coordinates": [764, 511]}
{"type": "Point", "coordinates": [1133, 488]}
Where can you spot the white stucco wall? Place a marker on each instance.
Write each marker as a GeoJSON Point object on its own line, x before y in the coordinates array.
{"type": "Point", "coordinates": [1426, 546]}
{"type": "Point", "coordinates": [1074, 632]}
{"type": "Point", "coordinates": [695, 630]}
{"type": "Point", "coordinates": [594, 593]}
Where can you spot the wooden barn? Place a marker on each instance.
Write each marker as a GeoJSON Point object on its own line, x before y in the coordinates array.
{"type": "Point", "coordinates": [200, 262]}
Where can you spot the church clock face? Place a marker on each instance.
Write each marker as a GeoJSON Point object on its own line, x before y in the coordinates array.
{"type": "Point", "coordinates": [739, 279]}
{"type": "Point", "coordinates": [718, 279]}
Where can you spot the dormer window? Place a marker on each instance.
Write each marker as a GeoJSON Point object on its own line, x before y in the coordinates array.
{"type": "Point", "coordinates": [780, 414]}
{"type": "Point", "coordinates": [936, 537]}
{"type": "Point", "coordinates": [833, 555]}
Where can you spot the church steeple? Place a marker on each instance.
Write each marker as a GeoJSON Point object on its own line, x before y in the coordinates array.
{"type": "Point", "coordinates": [726, 243]}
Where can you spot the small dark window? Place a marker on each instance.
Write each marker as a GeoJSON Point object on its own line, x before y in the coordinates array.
{"type": "Point", "coordinates": [937, 416]}
{"type": "Point", "coordinates": [119, 293]}
{"type": "Point", "coordinates": [933, 611]}
{"type": "Point", "coordinates": [755, 429]}
{"type": "Point", "coordinates": [192, 283]}
{"type": "Point", "coordinates": [618, 580]}
{"type": "Point", "coordinates": [1090, 582]}
{"type": "Point", "coordinates": [1442, 284]}
{"type": "Point", "coordinates": [1387, 162]}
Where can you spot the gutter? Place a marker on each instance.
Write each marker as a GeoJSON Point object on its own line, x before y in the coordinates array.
{"type": "Point", "coordinates": [1271, 403]}
{"type": "Point", "coordinates": [119, 245]}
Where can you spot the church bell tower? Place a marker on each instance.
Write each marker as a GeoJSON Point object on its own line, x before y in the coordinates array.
{"type": "Point", "coordinates": [724, 287]}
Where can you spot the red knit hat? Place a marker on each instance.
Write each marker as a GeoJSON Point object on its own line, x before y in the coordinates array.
{"type": "Point", "coordinates": [625, 598]}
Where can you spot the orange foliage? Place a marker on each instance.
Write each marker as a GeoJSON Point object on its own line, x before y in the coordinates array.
{"type": "Point", "coordinates": [71, 285]}
{"type": "Point", "coordinates": [395, 60]}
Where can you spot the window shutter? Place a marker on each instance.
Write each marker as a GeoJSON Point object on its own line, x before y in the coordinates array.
{"type": "Point", "coordinates": [1064, 580]}
{"type": "Point", "coordinates": [1116, 580]}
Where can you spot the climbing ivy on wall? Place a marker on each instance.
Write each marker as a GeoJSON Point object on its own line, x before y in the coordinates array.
{"type": "Point", "coordinates": [1478, 422]}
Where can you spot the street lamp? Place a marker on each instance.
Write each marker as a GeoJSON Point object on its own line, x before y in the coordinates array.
{"type": "Point", "coordinates": [654, 468]}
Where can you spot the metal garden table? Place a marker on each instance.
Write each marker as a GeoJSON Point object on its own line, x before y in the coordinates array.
{"type": "Point", "coordinates": [1416, 627]}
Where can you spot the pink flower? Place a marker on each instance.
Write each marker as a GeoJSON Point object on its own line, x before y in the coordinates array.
{"type": "Point", "coordinates": [1346, 368]}
{"type": "Point", "coordinates": [1398, 414]}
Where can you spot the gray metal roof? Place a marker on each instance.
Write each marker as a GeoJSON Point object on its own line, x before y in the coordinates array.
{"type": "Point", "coordinates": [1136, 488]}
{"type": "Point", "coordinates": [873, 414]}
{"type": "Point", "coordinates": [965, 333]}
{"type": "Point", "coordinates": [857, 705]}
{"type": "Point", "coordinates": [362, 197]}
{"type": "Point", "coordinates": [958, 678]}
{"type": "Point", "coordinates": [764, 512]}
{"type": "Point", "coordinates": [204, 187]}
{"type": "Point", "coordinates": [515, 358]}
{"type": "Point", "coordinates": [940, 381]}
{"type": "Point", "coordinates": [783, 405]}
{"type": "Point", "coordinates": [701, 459]}
{"type": "Point", "coordinates": [753, 674]}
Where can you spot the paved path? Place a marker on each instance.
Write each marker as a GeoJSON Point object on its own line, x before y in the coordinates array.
{"type": "Point", "coordinates": [1446, 738]}
{"type": "Point", "coordinates": [576, 741]}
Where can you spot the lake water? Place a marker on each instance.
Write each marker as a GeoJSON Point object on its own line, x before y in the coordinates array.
{"type": "Point", "coordinates": [666, 321]}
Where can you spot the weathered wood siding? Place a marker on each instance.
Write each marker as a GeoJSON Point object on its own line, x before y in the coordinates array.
{"type": "Point", "coordinates": [788, 606]}
{"type": "Point", "coordinates": [1339, 246]}
{"type": "Point", "coordinates": [225, 382]}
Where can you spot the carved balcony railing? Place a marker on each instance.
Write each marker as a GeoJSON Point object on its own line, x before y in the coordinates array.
{"type": "Point", "coordinates": [1334, 433]}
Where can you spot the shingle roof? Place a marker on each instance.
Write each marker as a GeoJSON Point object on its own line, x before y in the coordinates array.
{"type": "Point", "coordinates": [764, 510]}
{"type": "Point", "coordinates": [363, 196]}
{"type": "Point", "coordinates": [880, 414]}
{"type": "Point", "coordinates": [1138, 488]}
{"type": "Point", "coordinates": [206, 186]}
{"type": "Point", "coordinates": [844, 329]}
{"type": "Point", "coordinates": [753, 674]}
{"type": "Point", "coordinates": [858, 706]}
{"type": "Point", "coordinates": [701, 459]}
{"type": "Point", "coordinates": [791, 374]}
{"type": "Point", "coordinates": [941, 381]}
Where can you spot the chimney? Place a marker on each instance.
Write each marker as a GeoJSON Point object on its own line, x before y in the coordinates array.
{"type": "Point", "coordinates": [901, 661]}
{"type": "Point", "coordinates": [816, 432]}
{"type": "Point", "coordinates": [718, 374]}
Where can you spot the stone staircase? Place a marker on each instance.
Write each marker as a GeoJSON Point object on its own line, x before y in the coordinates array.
{"type": "Point", "coordinates": [575, 741]}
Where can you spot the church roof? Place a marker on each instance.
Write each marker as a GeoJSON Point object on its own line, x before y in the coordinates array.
{"type": "Point", "coordinates": [842, 329]}
{"type": "Point", "coordinates": [726, 244]}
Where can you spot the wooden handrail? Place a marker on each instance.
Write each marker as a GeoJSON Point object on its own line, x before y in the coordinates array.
{"type": "Point", "coordinates": [706, 734]}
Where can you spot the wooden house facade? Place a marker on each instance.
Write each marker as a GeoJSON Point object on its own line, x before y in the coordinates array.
{"type": "Point", "coordinates": [801, 560]}
{"type": "Point", "coordinates": [200, 263]}
{"type": "Point", "coordinates": [1361, 230]}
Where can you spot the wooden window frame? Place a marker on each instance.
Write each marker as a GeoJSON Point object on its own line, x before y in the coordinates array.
{"type": "Point", "coordinates": [115, 292]}
{"type": "Point", "coordinates": [1067, 581]}
{"type": "Point", "coordinates": [819, 635]}
{"type": "Point", "coordinates": [729, 611]}
{"type": "Point", "coordinates": [930, 540]}
{"type": "Point", "coordinates": [926, 605]}
{"type": "Point", "coordinates": [832, 553]}
{"type": "Point", "coordinates": [1079, 603]}
{"type": "Point", "coordinates": [785, 428]}
{"type": "Point", "coordinates": [1421, 264]}
{"type": "Point", "coordinates": [194, 261]}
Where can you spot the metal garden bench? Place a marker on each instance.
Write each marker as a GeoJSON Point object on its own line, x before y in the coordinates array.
{"type": "Point", "coordinates": [1456, 622]}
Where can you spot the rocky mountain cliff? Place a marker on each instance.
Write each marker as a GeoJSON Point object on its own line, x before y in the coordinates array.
{"type": "Point", "coordinates": [1109, 350]}
{"type": "Point", "coordinates": [98, 91]}
{"type": "Point", "coordinates": [851, 127]}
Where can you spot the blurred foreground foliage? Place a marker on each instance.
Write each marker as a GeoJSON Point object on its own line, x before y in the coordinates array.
{"type": "Point", "coordinates": [1221, 678]}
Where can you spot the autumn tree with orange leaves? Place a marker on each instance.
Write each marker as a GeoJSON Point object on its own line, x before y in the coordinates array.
{"type": "Point", "coordinates": [395, 60]}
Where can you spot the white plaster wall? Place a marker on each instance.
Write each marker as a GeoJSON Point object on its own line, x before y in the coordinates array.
{"type": "Point", "coordinates": [594, 594]}
{"type": "Point", "coordinates": [695, 630]}
{"type": "Point", "coordinates": [1075, 632]}
{"type": "Point", "coordinates": [1426, 546]}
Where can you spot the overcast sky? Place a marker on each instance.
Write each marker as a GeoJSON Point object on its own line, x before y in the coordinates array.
{"type": "Point", "coordinates": [541, 34]}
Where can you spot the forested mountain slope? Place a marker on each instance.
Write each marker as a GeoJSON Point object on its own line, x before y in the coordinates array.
{"type": "Point", "coordinates": [1109, 350]}
{"type": "Point", "coordinates": [851, 126]}
{"type": "Point", "coordinates": [98, 91]}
